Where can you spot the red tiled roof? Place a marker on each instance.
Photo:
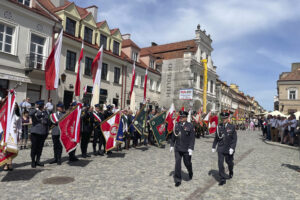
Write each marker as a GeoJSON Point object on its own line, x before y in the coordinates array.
{"type": "Point", "coordinates": [112, 31]}
{"type": "Point", "coordinates": [129, 43]}
{"type": "Point", "coordinates": [56, 9]}
{"type": "Point", "coordinates": [290, 76]}
{"type": "Point", "coordinates": [170, 51]}
{"type": "Point", "coordinates": [99, 24]}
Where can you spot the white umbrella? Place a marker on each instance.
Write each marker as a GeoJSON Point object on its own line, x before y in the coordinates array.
{"type": "Point", "coordinates": [276, 113]}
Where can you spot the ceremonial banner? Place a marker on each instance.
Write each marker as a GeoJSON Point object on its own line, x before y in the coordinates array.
{"type": "Point", "coordinates": [132, 81]}
{"type": "Point", "coordinates": [78, 77]}
{"type": "Point", "coordinates": [145, 85]}
{"type": "Point", "coordinates": [70, 129]}
{"type": "Point", "coordinates": [170, 118]}
{"type": "Point", "coordinates": [213, 123]}
{"type": "Point", "coordinates": [4, 157]}
{"type": "Point", "coordinates": [123, 128]}
{"type": "Point", "coordinates": [110, 128]}
{"type": "Point", "coordinates": [96, 73]}
{"type": "Point", "coordinates": [158, 127]}
{"type": "Point", "coordinates": [139, 121]}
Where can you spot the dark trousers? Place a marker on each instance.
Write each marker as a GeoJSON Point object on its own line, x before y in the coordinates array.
{"type": "Point", "coordinates": [85, 139]}
{"type": "Point", "coordinates": [98, 138]}
{"type": "Point", "coordinates": [37, 144]}
{"type": "Point", "coordinates": [72, 154]}
{"type": "Point", "coordinates": [229, 160]}
{"type": "Point", "coordinates": [57, 147]}
{"type": "Point", "coordinates": [187, 162]}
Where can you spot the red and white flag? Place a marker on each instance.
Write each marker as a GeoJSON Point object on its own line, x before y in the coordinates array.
{"type": "Point", "coordinates": [110, 129]}
{"type": "Point", "coordinates": [78, 77]}
{"type": "Point", "coordinates": [132, 80]}
{"type": "Point", "coordinates": [52, 65]}
{"type": "Point", "coordinates": [70, 129]}
{"type": "Point", "coordinates": [54, 118]}
{"type": "Point", "coordinates": [85, 89]}
{"type": "Point", "coordinates": [213, 123]}
{"type": "Point", "coordinates": [207, 117]}
{"type": "Point", "coordinates": [170, 119]}
{"type": "Point", "coordinates": [96, 69]}
{"type": "Point", "coordinates": [145, 85]}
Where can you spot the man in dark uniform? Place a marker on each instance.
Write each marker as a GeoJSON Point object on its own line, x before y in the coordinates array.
{"type": "Point", "coordinates": [184, 141]}
{"type": "Point", "coordinates": [57, 147]}
{"type": "Point", "coordinates": [98, 136]}
{"type": "Point", "coordinates": [226, 139]}
{"type": "Point", "coordinates": [39, 132]}
{"type": "Point", "coordinates": [86, 129]}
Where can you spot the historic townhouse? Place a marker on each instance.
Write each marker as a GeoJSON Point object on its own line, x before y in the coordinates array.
{"type": "Point", "coordinates": [26, 32]}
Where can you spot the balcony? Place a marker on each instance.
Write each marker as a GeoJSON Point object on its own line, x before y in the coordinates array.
{"type": "Point", "coordinates": [34, 62]}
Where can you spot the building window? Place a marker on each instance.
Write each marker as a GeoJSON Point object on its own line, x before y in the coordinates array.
{"type": "Point", "coordinates": [88, 35]}
{"type": "Point", "coordinates": [292, 94]}
{"type": "Point", "coordinates": [142, 81]}
{"type": "Point", "coordinates": [71, 61]}
{"type": "Point", "coordinates": [6, 38]}
{"type": "Point", "coordinates": [116, 47]}
{"type": "Point", "coordinates": [134, 56]}
{"type": "Point", "coordinates": [3, 88]}
{"type": "Point", "coordinates": [103, 96]}
{"type": "Point", "coordinates": [211, 87]}
{"type": "Point", "coordinates": [70, 26]}
{"type": "Point", "coordinates": [151, 84]}
{"type": "Point", "coordinates": [25, 2]}
{"type": "Point", "coordinates": [158, 86]}
{"type": "Point", "coordinates": [88, 66]}
{"type": "Point", "coordinates": [152, 64]}
{"type": "Point", "coordinates": [104, 72]}
{"type": "Point", "coordinates": [36, 52]}
{"type": "Point", "coordinates": [117, 75]}
{"type": "Point", "coordinates": [201, 82]}
{"type": "Point", "coordinates": [103, 41]}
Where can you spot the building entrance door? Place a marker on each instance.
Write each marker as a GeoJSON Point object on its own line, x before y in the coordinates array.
{"type": "Point", "coordinates": [68, 98]}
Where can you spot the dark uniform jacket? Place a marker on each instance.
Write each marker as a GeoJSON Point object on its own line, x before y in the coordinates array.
{"type": "Point", "coordinates": [55, 130]}
{"type": "Point", "coordinates": [225, 137]}
{"type": "Point", "coordinates": [96, 122]}
{"type": "Point", "coordinates": [87, 120]}
{"type": "Point", "coordinates": [39, 121]}
{"type": "Point", "coordinates": [184, 137]}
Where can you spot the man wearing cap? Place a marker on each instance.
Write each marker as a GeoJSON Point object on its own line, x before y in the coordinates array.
{"type": "Point", "coordinates": [98, 136]}
{"type": "Point", "coordinates": [86, 129]}
{"type": "Point", "coordinates": [39, 132]}
{"type": "Point", "coordinates": [57, 147]}
{"type": "Point", "coordinates": [183, 140]}
{"type": "Point", "coordinates": [225, 138]}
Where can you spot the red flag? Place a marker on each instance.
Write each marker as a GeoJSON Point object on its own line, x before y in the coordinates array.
{"type": "Point", "coordinates": [145, 85]}
{"type": "Point", "coordinates": [96, 68]}
{"type": "Point", "coordinates": [52, 65]}
{"type": "Point", "coordinates": [78, 77]}
{"type": "Point", "coordinates": [70, 129]}
{"type": "Point", "coordinates": [236, 115]}
{"type": "Point", "coordinates": [132, 80]}
{"type": "Point", "coordinates": [171, 118]}
{"type": "Point", "coordinates": [213, 123]}
{"type": "Point", "coordinates": [110, 129]}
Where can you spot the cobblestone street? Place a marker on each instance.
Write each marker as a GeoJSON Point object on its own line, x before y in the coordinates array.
{"type": "Point", "coordinates": [262, 171]}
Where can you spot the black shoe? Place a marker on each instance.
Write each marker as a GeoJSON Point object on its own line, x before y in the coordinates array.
{"type": "Point", "coordinates": [33, 165]}
{"type": "Point", "coordinates": [53, 161]}
{"type": "Point", "coordinates": [230, 175]}
{"type": "Point", "coordinates": [84, 155]}
{"type": "Point", "coordinates": [177, 184]}
{"type": "Point", "coordinates": [95, 153]}
{"type": "Point", "coordinates": [191, 176]}
{"type": "Point", "coordinates": [223, 182]}
{"type": "Point", "coordinates": [100, 153]}
{"type": "Point", "coordinates": [58, 161]}
{"type": "Point", "coordinates": [74, 159]}
{"type": "Point", "coordinates": [38, 163]}
{"type": "Point", "coordinates": [87, 155]}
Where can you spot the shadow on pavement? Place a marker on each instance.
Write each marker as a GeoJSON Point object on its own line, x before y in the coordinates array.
{"type": "Point", "coordinates": [143, 148]}
{"type": "Point", "coordinates": [79, 163]}
{"type": "Point", "coordinates": [116, 155]}
{"type": "Point", "coordinates": [184, 175]}
{"type": "Point", "coordinates": [214, 173]}
{"type": "Point", "coordinates": [293, 167]}
{"type": "Point", "coordinates": [20, 175]}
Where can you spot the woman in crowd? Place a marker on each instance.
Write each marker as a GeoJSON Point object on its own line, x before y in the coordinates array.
{"type": "Point", "coordinates": [26, 121]}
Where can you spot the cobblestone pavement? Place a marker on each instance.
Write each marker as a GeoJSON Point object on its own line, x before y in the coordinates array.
{"type": "Point", "coordinates": [262, 171]}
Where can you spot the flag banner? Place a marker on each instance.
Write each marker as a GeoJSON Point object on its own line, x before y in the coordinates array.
{"type": "Point", "coordinates": [52, 65]}
{"type": "Point", "coordinates": [6, 156]}
{"type": "Point", "coordinates": [53, 118]}
{"type": "Point", "coordinates": [70, 128]}
{"type": "Point", "coordinates": [132, 80]}
{"type": "Point", "coordinates": [171, 116]}
{"type": "Point", "coordinates": [1, 132]}
{"type": "Point", "coordinates": [139, 121]}
{"type": "Point", "coordinates": [145, 85]}
{"type": "Point", "coordinates": [158, 127]}
{"type": "Point", "coordinates": [213, 123]}
{"type": "Point", "coordinates": [96, 74]}
{"type": "Point", "coordinates": [11, 138]}
{"type": "Point", "coordinates": [78, 77]}
{"type": "Point", "coordinates": [123, 128]}
{"type": "Point", "coordinates": [96, 116]}
{"type": "Point", "coordinates": [110, 129]}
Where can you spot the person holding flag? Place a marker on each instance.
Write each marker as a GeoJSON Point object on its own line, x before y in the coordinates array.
{"type": "Point", "coordinates": [98, 136]}
{"type": "Point", "coordinates": [86, 128]}
{"type": "Point", "coordinates": [183, 140]}
{"type": "Point", "coordinates": [226, 139]}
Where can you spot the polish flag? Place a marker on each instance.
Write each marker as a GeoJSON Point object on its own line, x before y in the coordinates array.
{"type": "Point", "coordinates": [213, 123]}
{"type": "Point", "coordinates": [207, 117]}
{"type": "Point", "coordinates": [96, 73]}
{"type": "Point", "coordinates": [178, 117]}
{"type": "Point", "coordinates": [132, 80]}
{"type": "Point", "coordinates": [145, 85]}
{"type": "Point", "coordinates": [52, 65]}
{"type": "Point", "coordinates": [170, 119]}
{"type": "Point", "coordinates": [78, 78]}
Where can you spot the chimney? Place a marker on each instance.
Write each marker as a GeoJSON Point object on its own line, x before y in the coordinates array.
{"type": "Point", "coordinates": [58, 3]}
{"type": "Point", "coordinates": [94, 10]}
{"type": "Point", "coordinates": [153, 44]}
{"type": "Point", "coordinates": [295, 67]}
{"type": "Point", "coordinates": [126, 36]}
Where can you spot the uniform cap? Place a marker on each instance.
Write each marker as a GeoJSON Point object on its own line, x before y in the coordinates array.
{"type": "Point", "coordinates": [224, 114]}
{"type": "Point", "coordinates": [60, 105]}
{"type": "Point", "coordinates": [183, 113]}
{"type": "Point", "coordinates": [40, 102]}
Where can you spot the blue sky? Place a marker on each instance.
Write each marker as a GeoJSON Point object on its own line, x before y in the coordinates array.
{"type": "Point", "coordinates": [254, 41]}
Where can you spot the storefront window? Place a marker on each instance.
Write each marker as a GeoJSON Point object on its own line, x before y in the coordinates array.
{"type": "Point", "coordinates": [3, 88]}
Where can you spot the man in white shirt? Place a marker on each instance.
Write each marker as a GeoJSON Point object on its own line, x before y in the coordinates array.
{"type": "Point", "coordinates": [49, 106]}
{"type": "Point", "coordinates": [26, 105]}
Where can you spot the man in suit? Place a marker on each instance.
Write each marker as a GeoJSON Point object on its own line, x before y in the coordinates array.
{"type": "Point", "coordinates": [98, 117]}
{"type": "Point", "coordinates": [86, 129]}
{"type": "Point", "coordinates": [183, 140]}
{"type": "Point", "coordinates": [225, 138]}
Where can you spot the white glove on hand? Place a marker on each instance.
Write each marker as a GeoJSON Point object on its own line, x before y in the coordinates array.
{"type": "Point", "coordinates": [231, 151]}
{"type": "Point", "coordinates": [171, 149]}
{"type": "Point", "coordinates": [190, 151]}
{"type": "Point", "coordinates": [213, 150]}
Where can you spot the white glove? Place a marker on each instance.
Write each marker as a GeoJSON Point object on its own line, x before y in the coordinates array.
{"type": "Point", "coordinates": [190, 151]}
{"type": "Point", "coordinates": [171, 149]}
{"type": "Point", "coordinates": [213, 150]}
{"type": "Point", "coordinates": [231, 151]}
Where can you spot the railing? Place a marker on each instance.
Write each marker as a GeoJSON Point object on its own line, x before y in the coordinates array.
{"type": "Point", "coordinates": [35, 62]}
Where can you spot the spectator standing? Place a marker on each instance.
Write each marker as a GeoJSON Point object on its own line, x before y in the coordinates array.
{"type": "Point", "coordinates": [26, 121]}
{"type": "Point", "coordinates": [49, 106]}
{"type": "Point", "coordinates": [26, 105]}
{"type": "Point", "coordinates": [293, 124]}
